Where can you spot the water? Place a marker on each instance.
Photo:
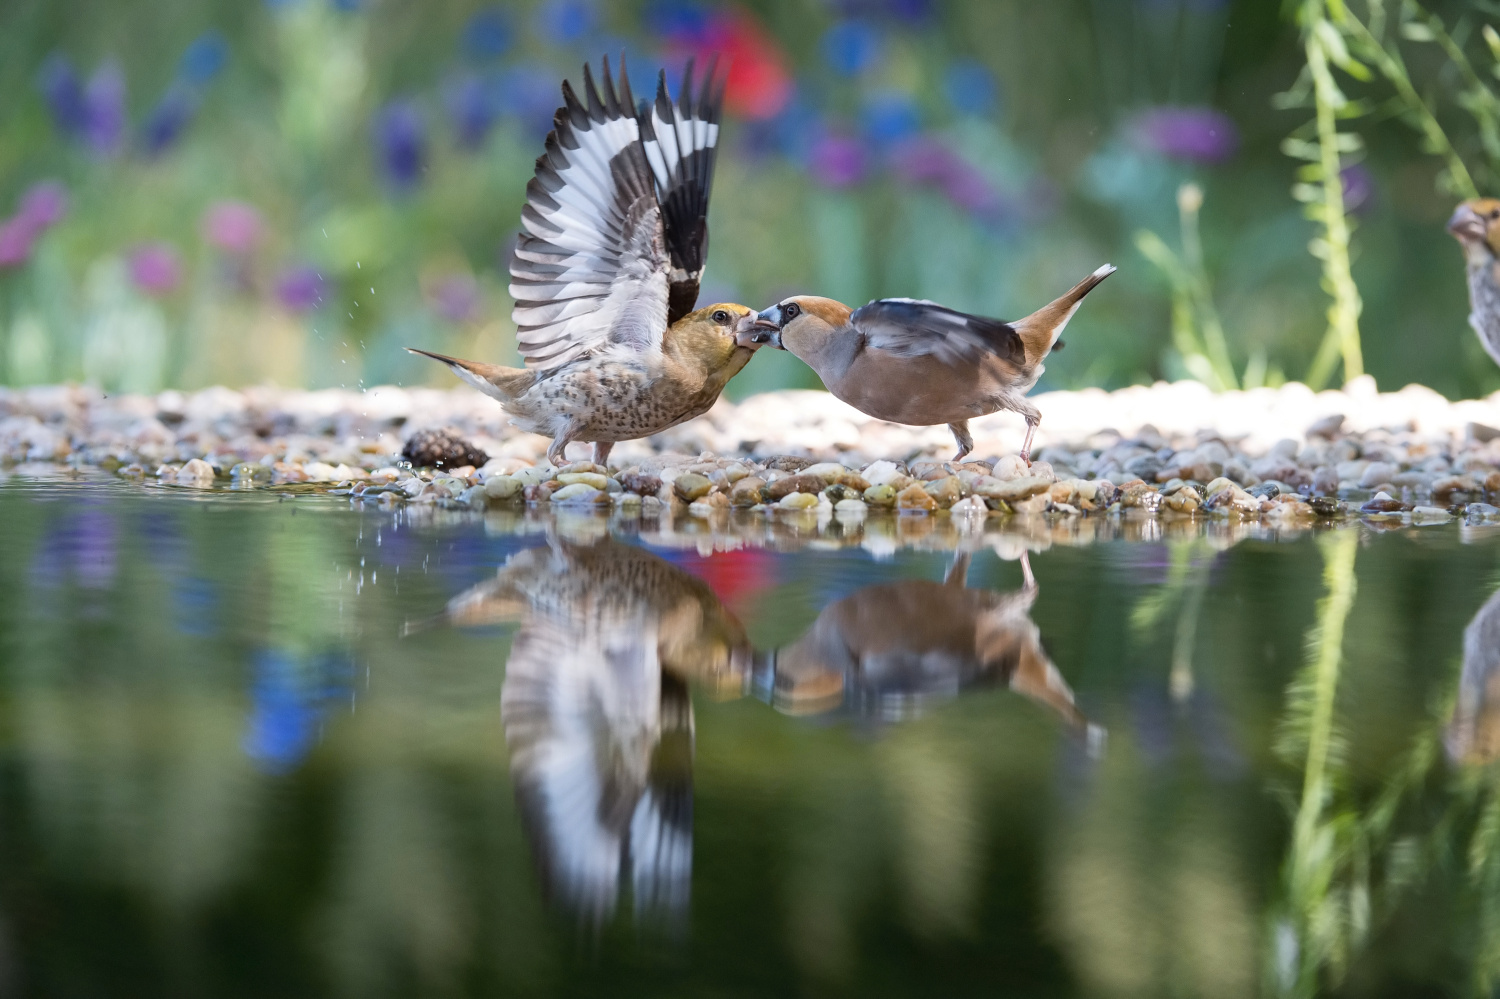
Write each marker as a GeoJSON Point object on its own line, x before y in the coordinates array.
{"type": "Point", "coordinates": [262, 745]}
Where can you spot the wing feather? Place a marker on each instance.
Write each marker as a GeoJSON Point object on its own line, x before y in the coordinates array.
{"type": "Point", "coordinates": [907, 327]}
{"type": "Point", "coordinates": [590, 270]}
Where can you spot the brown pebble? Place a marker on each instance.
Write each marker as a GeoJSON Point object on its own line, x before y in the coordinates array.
{"type": "Point", "coordinates": [691, 486]}
{"type": "Point", "coordinates": [945, 491]}
{"type": "Point", "coordinates": [794, 484]}
{"type": "Point", "coordinates": [788, 463]}
{"type": "Point", "coordinates": [1492, 483]}
{"type": "Point", "coordinates": [748, 492]}
{"type": "Point", "coordinates": [914, 497]}
{"type": "Point", "coordinates": [640, 483]}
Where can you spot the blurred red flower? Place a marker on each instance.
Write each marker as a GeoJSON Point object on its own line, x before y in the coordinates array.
{"type": "Point", "coordinates": [759, 84]}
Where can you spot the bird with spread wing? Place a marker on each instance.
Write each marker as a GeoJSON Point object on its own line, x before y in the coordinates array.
{"type": "Point", "coordinates": [605, 273]}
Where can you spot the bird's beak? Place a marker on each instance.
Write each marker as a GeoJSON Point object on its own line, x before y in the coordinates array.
{"type": "Point", "coordinates": [759, 330]}
{"type": "Point", "coordinates": [1466, 224]}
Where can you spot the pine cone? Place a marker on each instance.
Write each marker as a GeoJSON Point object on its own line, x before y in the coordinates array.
{"type": "Point", "coordinates": [441, 449]}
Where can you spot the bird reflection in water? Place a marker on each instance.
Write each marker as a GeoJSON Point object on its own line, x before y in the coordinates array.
{"type": "Point", "coordinates": [598, 716]}
{"type": "Point", "coordinates": [1473, 734]}
{"type": "Point", "coordinates": [886, 652]}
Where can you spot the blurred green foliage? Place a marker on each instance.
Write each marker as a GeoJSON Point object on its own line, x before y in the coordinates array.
{"type": "Point", "coordinates": [984, 153]}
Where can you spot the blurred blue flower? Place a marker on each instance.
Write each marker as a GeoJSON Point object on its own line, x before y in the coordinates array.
{"type": "Point", "coordinates": [911, 11]}
{"type": "Point", "coordinates": [970, 87]}
{"type": "Point", "coordinates": [63, 91]}
{"type": "Point", "coordinates": [790, 133]}
{"type": "Point", "coordinates": [168, 119]}
{"type": "Point", "coordinates": [850, 47]}
{"type": "Point", "coordinates": [104, 104]}
{"type": "Point", "coordinates": [348, 6]}
{"type": "Point", "coordinates": [676, 19]}
{"type": "Point", "coordinates": [529, 92]}
{"type": "Point", "coordinates": [470, 105]}
{"type": "Point", "coordinates": [300, 289]}
{"type": "Point", "coordinates": [1199, 135]}
{"type": "Point", "coordinates": [401, 143]}
{"type": "Point", "coordinates": [890, 116]}
{"type": "Point", "coordinates": [487, 35]}
{"type": "Point", "coordinates": [283, 722]}
{"type": "Point", "coordinates": [564, 21]}
{"type": "Point", "coordinates": [203, 59]}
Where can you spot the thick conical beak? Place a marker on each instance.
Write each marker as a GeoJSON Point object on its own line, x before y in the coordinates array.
{"type": "Point", "coordinates": [762, 330]}
{"type": "Point", "coordinates": [1466, 224]}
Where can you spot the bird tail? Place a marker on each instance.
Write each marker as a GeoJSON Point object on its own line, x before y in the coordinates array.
{"type": "Point", "coordinates": [495, 380]}
{"type": "Point", "coordinates": [1040, 330]}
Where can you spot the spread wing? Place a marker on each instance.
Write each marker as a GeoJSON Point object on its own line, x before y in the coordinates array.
{"type": "Point", "coordinates": [589, 272]}
{"type": "Point", "coordinates": [681, 144]}
{"type": "Point", "coordinates": [907, 327]}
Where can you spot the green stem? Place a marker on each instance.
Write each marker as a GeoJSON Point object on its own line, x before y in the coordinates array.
{"type": "Point", "coordinates": [1343, 314]}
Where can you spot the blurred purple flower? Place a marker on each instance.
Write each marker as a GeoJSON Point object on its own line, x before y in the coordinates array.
{"type": "Point", "coordinates": [911, 11]}
{"type": "Point", "coordinates": [44, 204]}
{"type": "Point", "coordinates": [16, 237]}
{"type": "Point", "coordinates": [455, 297]}
{"type": "Point", "coordinates": [471, 108]}
{"type": "Point", "coordinates": [562, 22]}
{"type": "Point", "coordinates": [63, 92]}
{"type": "Point", "coordinates": [676, 19]}
{"type": "Point", "coordinates": [283, 726]}
{"type": "Point", "coordinates": [970, 87]}
{"type": "Point", "coordinates": [1359, 188]}
{"type": "Point", "coordinates": [168, 119]}
{"type": "Point", "coordinates": [850, 47]}
{"type": "Point", "coordinates": [155, 268]}
{"type": "Point", "coordinates": [232, 226]}
{"type": "Point", "coordinates": [300, 289]}
{"type": "Point", "coordinates": [1199, 135]}
{"type": "Point", "coordinates": [890, 117]}
{"type": "Point", "coordinates": [401, 143]}
{"type": "Point", "coordinates": [928, 161]}
{"type": "Point", "coordinates": [203, 59]}
{"type": "Point", "coordinates": [104, 103]}
{"type": "Point", "coordinates": [487, 35]}
{"type": "Point", "coordinates": [838, 161]}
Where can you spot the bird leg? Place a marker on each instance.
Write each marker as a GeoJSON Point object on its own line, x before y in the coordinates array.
{"type": "Point", "coordinates": [1031, 423]}
{"type": "Point", "coordinates": [557, 453]}
{"type": "Point", "coordinates": [601, 452]}
{"type": "Point", "coordinates": [958, 572]}
{"type": "Point", "coordinates": [964, 439]}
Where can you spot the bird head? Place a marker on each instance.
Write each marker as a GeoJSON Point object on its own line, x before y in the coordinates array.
{"type": "Point", "coordinates": [797, 323]}
{"type": "Point", "coordinates": [713, 333]}
{"type": "Point", "coordinates": [1476, 225]}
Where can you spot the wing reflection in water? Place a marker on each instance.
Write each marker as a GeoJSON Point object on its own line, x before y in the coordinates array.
{"type": "Point", "coordinates": [598, 718]}
{"type": "Point", "coordinates": [1473, 734]}
{"type": "Point", "coordinates": [888, 651]}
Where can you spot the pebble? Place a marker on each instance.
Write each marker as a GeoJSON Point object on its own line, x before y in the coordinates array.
{"type": "Point", "coordinates": [914, 497]}
{"type": "Point", "coordinates": [747, 492]}
{"type": "Point", "coordinates": [1430, 515]}
{"type": "Point", "coordinates": [579, 493]}
{"type": "Point", "coordinates": [587, 478]}
{"type": "Point", "coordinates": [945, 491]}
{"type": "Point", "coordinates": [691, 486]}
{"type": "Point", "coordinates": [794, 484]}
{"type": "Point", "coordinates": [502, 487]}
{"type": "Point", "coordinates": [798, 501]}
{"type": "Point", "coordinates": [882, 495]}
{"type": "Point", "coordinates": [879, 473]}
{"type": "Point", "coordinates": [850, 508]}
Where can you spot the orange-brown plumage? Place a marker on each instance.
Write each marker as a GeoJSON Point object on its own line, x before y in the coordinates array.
{"type": "Point", "coordinates": [1476, 226]}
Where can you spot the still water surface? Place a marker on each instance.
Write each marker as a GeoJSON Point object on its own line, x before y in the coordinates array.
{"type": "Point", "coordinates": [253, 745]}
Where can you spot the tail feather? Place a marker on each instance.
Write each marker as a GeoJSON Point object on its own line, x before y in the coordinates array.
{"type": "Point", "coordinates": [494, 380]}
{"type": "Point", "coordinates": [1040, 330]}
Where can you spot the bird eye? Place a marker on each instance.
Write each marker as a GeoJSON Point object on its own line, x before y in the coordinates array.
{"type": "Point", "coordinates": [721, 317]}
{"type": "Point", "coordinates": [790, 311]}
{"type": "Point", "coordinates": [1495, 213]}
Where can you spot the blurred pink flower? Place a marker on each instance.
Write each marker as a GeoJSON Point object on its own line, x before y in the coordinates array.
{"type": "Point", "coordinates": [758, 85]}
{"type": "Point", "coordinates": [1200, 135]}
{"type": "Point", "coordinates": [155, 268]}
{"type": "Point", "coordinates": [455, 297]}
{"type": "Point", "coordinates": [44, 204]}
{"type": "Point", "coordinates": [232, 226]}
{"type": "Point", "coordinates": [16, 236]}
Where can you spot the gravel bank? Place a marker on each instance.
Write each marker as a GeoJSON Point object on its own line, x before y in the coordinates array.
{"type": "Point", "coordinates": [1161, 451]}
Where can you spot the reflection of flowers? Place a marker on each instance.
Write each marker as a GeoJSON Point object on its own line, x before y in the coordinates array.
{"type": "Point", "coordinates": [232, 226]}
{"type": "Point", "coordinates": [289, 706]}
{"type": "Point", "coordinates": [1200, 135]}
{"type": "Point", "coordinates": [300, 289]}
{"type": "Point", "coordinates": [401, 143]}
{"type": "Point", "coordinates": [155, 268]}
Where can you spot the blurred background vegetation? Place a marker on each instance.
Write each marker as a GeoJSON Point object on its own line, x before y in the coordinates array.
{"type": "Point", "coordinates": [201, 191]}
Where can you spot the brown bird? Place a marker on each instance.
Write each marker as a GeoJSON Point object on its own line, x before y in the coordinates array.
{"type": "Point", "coordinates": [1476, 226]}
{"type": "Point", "coordinates": [605, 273]}
{"type": "Point", "coordinates": [919, 363]}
